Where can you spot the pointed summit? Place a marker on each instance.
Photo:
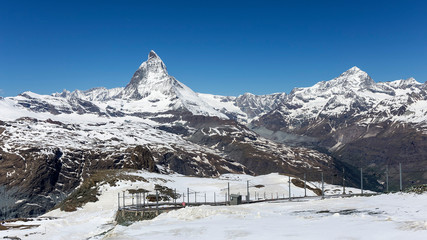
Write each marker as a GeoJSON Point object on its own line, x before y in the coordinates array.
{"type": "Point", "coordinates": [354, 77]}
{"type": "Point", "coordinates": [151, 75]}
{"type": "Point", "coordinates": [152, 54]}
{"type": "Point", "coordinates": [353, 71]}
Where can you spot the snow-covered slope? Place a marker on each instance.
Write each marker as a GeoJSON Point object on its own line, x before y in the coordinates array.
{"type": "Point", "coordinates": [386, 216]}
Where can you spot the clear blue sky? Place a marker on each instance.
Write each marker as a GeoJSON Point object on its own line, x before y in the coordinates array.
{"type": "Point", "coordinates": [218, 47]}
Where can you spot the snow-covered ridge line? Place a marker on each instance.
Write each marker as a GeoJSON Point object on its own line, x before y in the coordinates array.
{"type": "Point", "coordinates": [152, 90]}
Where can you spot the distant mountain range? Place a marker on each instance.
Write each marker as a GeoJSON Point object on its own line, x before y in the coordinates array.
{"type": "Point", "coordinates": [49, 143]}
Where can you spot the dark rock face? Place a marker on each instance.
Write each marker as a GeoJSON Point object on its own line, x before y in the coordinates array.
{"type": "Point", "coordinates": [141, 158]}
{"type": "Point", "coordinates": [42, 177]}
{"type": "Point", "coordinates": [371, 147]}
{"type": "Point", "coordinates": [393, 144]}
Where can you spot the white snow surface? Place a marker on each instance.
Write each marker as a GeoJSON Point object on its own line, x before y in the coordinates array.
{"type": "Point", "coordinates": [391, 216]}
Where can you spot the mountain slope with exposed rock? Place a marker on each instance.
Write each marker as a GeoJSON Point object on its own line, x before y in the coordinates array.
{"type": "Point", "coordinates": [50, 144]}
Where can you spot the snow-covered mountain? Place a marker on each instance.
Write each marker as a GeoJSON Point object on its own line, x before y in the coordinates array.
{"type": "Point", "coordinates": [351, 95]}
{"type": "Point", "coordinates": [358, 121]}
{"type": "Point", "coordinates": [51, 142]}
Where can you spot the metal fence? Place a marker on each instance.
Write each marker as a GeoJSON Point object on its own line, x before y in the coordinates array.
{"type": "Point", "coordinates": [389, 178]}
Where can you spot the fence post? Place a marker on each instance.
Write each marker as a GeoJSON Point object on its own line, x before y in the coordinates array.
{"type": "Point", "coordinates": [118, 201]}
{"type": "Point", "coordinates": [247, 190]}
{"type": "Point", "coordinates": [305, 185]}
{"type": "Point", "coordinates": [188, 195]}
{"type": "Point", "coordinates": [157, 202]}
{"type": "Point", "coordinates": [343, 180]}
{"type": "Point", "coordinates": [205, 198]}
{"type": "Point", "coordinates": [175, 197]}
{"type": "Point", "coordinates": [400, 174]}
{"type": "Point", "coordinates": [386, 177]}
{"type": "Point", "coordinates": [323, 187]}
{"type": "Point", "coordinates": [361, 180]}
{"type": "Point", "coordinates": [132, 199]}
{"type": "Point", "coordinates": [215, 199]}
{"type": "Point", "coordinates": [143, 195]}
{"type": "Point", "coordinates": [124, 204]}
{"type": "Point", "coordinates": [289, 183]}
{"type": "Point", "coordinates": [228, 195]}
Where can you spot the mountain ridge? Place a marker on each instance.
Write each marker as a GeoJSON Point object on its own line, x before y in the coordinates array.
{"type": "Point", "coordinates": [341, 123]}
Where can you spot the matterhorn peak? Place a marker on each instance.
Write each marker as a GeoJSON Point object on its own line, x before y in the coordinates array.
{"type": "Point", "coordinates": [151, 75]}
{"type": "Point", "coordinates": [152, 54]}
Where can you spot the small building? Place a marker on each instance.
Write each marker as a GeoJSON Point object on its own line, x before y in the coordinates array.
{"type": "Point", "coordinates": [235, 199]}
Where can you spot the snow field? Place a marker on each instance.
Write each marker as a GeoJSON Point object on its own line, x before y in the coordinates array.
{"type": "Point", "coordinates": [391, 216]}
